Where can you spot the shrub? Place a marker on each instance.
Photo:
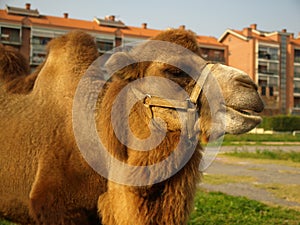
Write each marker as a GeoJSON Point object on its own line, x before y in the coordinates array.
{"type": "Point", "coordinates": [281, 123]}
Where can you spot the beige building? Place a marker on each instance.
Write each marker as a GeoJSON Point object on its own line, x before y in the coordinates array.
{"type": "Point", "coordinates": [272, 59]}
{"type": "Point", "coordinates": [29, 31]}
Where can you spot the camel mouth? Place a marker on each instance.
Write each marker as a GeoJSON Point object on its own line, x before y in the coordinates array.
{"type": "Point", "coordinates": [236, 121]}
{"type": "Point", "coordinates": [247, 114]}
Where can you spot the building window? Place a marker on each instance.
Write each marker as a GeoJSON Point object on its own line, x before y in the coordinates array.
{"type": "Point", "coordinates": [39, 51]}
{"type": "Point", "coordinates": [40, 40]}
{"type": "Point", "coordinates": [297, 56]}
{"type": "Point", "coordinates": [11, 35]}
{"type": "Point", "coordinates": [263, 85]}
{"type": "Point", "coordinates": [271, 91]}
{"type": "Point", "coordinates": [273, 81]}
{"type": "Point", "coordinates": [297, 87]}
{"type": "Point", "coordinates": [262, 68]}
{"type": "Point", "coordinates": [213, 55]}
{"type": "Point", "coordinates": [297, 102]}
{"type": "Point", "coordinates": [269, 53]}
{"type": "Point", "coordinates": [270, 68]}
{"type": "Point", "coordinates": [273, 53]}
{"type": "Point", "coordinates": [204, 53]}
{"type": "Point", "coordinates": [263, 90]}
{"type": "Point", "coordinates": [104, 45]}
{"type": "Point", "coordinates": [217, 56]}
{"type": "Point", "coordinates": [273, 68]}
{"type": "Point", "coordinates": [38, 58]}
{"type": "Point", "coordinates": [263, 54]}
{"type": "Point", "coordinates": [297, 72]}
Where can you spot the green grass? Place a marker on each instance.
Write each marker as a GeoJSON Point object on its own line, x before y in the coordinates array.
{"type": "Point", "coordinates": [267, 154]}
{"type": "Point", "coordinates": [214, 208]}
{"type": "Point", "coordinates": [4, 222]}
{"type": "Point", "coordinates": [259, 138]}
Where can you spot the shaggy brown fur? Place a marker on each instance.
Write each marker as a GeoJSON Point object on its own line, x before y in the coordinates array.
{"type": "Point", "coordinates": [168, 202]}
{"type": "Point", "coordinates": [12, 63]}
{"type": "Point", "coordinates": [15, 71]}
{"type": "Point", "coordinates": [44, 178]}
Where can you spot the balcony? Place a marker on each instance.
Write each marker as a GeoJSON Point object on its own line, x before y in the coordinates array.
{"type": "Point", "coordinates": [104, 46]}
{"type": "Point", "coordinates": [296, 90]}
{"type": "Point", "coordinates": [268, 53]}
{"type": "Point", "coordinates": [297, 56]}
{"type": "Point", "coordinates": [10, 35]}
{"type": "Point", "coordinates": [268, 68]}
{"type": "Point", "coordinates": [217, 59]}
{"type": "Point", "coordinates": [297, 102]}
{"type": "Point", "coordinates": [38, 47]}
{"type": "Point", "coordinates": [268, 72]}
{"type": "Point", "coordinates": [296, 75]}
{"type": "Point", "coordinates": [213, 55]}
{"type": "Point", "coordinates": [37, 58]}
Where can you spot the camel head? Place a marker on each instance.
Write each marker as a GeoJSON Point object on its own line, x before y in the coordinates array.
{"type": "Point", "coordinates": [174, 76]}
{"type": "Point", "coordinates": [159, 96]}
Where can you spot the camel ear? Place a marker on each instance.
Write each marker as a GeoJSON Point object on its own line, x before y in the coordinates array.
{"type": "Point", "coordinates": [117, 62]}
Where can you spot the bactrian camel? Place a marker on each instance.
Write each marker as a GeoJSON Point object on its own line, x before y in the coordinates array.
{"type": "Point", "coordinates": [45, 178]}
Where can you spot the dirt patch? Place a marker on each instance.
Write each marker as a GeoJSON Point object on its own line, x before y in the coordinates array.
{"type": "Point", "coordinates": [267, 180]}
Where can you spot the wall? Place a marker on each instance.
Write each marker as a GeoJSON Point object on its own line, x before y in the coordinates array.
{"type": "Point", "coordinates": [240, 54]}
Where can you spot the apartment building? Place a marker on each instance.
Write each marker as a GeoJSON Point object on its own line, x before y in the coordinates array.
{"type": "Point", "coordinates": [294, 81]}
{"type": "Point", "coordinates": [272, 59]}
{"type": "Point", "coordinates": [29, 31]}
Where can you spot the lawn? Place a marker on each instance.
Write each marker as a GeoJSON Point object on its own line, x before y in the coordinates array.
{"type": "Point", "coordinates": [3, 222]}
{"type": "Point", "coordinates": [213, 208]}
{"type": "Point", "coordinates": [259, 139]}
{"type": "Point", "coordinates": [264, 153]}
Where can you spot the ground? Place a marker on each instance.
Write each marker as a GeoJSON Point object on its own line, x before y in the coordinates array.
{"type": "Point", "coordinates": [274, 182]}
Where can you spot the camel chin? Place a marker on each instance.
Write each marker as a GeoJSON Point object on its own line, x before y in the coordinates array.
{"type": "Point", "coordinates": [240, 121]}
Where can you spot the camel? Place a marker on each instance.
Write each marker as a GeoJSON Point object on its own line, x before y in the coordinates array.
{"type": "Point", "coordinates": [15, 71]}
{"type": "Point", "coordinates": [46, 176]}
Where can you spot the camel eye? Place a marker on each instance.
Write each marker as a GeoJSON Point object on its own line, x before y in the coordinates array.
{"type": "Point", "coordinates": [175, 72]}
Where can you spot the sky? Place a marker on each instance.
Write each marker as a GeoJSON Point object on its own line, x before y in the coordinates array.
{"type": "Point", "coordinates": [209, 18]}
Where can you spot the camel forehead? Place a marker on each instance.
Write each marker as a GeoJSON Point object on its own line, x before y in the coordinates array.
{"type": "Point", "coordinates": [167, 46]}
{"type": "Point", "coordinates": [232, 69]}
{"type": "Point", "coordinates": [173, 65]}
{"type": "Point", "coordinates": [185, 38]}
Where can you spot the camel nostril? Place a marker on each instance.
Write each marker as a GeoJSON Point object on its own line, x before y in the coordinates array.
{"type": "Point", "coordinates": [246, 81]}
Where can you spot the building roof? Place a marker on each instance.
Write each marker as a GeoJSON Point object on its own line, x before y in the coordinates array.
{"type": "Point", "coordinates": [109, 25]}
{"type": "Point", "coordinates": [209, 40]}
{"type": "Point", "coordinates": [261, 36]}
{"type": "Point", "coordinates": [296, 41]}
{"type": "Point", "coordinates": [54, 21]}
{"type": "Point", "coordinates": [139, 32]}
{"type": "Point", "coordinates": [70, 23]}
{"type": "Point", "coordinates": [22, 11]}
{"type": "Point", "coordinates": [110, 22]}
{"type": "Point", "coordinates": [232, 32]}
{"type": "Point", "coordinates": [9, 17]}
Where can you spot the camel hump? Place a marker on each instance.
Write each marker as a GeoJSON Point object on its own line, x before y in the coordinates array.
{"type": "Point", "coordinates": [78, 46]}
{"type": "Point", "coordinates": [12, 64]}
{"type": "Point", "coordinates": [81, 44]}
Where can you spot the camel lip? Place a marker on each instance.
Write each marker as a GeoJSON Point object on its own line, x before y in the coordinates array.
{"type": "Point", "coordinates": [247, 114]}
